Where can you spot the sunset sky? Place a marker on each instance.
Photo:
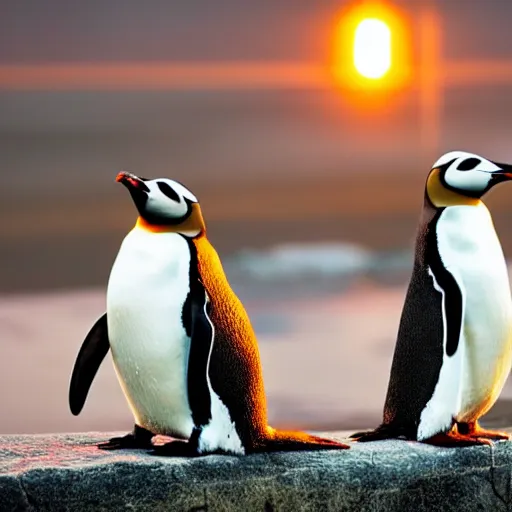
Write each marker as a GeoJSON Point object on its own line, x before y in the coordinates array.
{"type": "Point", "coordinates": [254, 111]}
{"type": "Point", "coordinates": [60, 30]}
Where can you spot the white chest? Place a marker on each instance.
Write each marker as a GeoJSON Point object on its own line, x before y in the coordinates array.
{"type": "Point", "coordinates": [470, 249]}
{"type": "Point", "coordinates": [468, 245]}
{"type": "Point", "coordinates": [148, 285]}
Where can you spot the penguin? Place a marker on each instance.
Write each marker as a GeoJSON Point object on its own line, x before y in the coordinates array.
{"type": "Point", "coordinates": [454, 345]}
{"type": "Point", "coordinates": [182, 344]}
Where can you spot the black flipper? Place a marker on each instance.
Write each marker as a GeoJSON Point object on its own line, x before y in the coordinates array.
{"type": "Point", "coordinates": [446, 284]}
{"type": "Point", "coordinates": [93, 351]}
{"type": "Point", "coordinates": [201, 341]}
{"type": "Point", "coordinates": [140, 438]}
{"type": "Point", "coordinates": [201, 344]}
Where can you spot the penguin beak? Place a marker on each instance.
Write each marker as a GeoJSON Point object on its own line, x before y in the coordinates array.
{"type": "Point", "coordinates": [505, 171]}
{"type": "Point", "coordinates": [131, 181]}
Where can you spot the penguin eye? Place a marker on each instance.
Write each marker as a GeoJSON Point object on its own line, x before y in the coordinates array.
{"type": "Point", "coordinates": [468, 164]}
{"type": "Point", "coordinates": [168, 191]}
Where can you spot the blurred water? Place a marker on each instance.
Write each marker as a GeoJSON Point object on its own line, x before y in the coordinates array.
{"type": "Point", "coordinates": [326, 339]}
{"type": "Point", "coordinates": [325, 356]}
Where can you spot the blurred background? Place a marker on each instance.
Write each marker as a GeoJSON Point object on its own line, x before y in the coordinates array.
{"type": "Point", "coordinates": [305, 128]}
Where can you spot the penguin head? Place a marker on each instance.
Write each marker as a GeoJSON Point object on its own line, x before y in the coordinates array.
{"type": "Point", "coordinates": [164, 204]}
{"type": "Point", "coordinates": [459, 178]}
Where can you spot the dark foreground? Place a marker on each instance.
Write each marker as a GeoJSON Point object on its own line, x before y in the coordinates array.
{"type": "Point", "coordinates": [67, 472]}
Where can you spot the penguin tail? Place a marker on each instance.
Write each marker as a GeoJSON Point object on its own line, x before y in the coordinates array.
{"type": "Point", "coordinates": [293, 441]}
{"type": "Point", "coordinates": [382, 432]}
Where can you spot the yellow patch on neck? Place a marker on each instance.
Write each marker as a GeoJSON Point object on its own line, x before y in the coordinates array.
{"type": "Point", "coordinates": [192, 226]}
{"type": "Point", "coordinates": [440, 196]}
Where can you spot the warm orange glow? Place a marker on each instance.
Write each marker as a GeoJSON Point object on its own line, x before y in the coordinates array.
{"type": "Point", "coordinates": [193, 225]}
{"type": "Point", "coordinates": [371, 47]}
{"type": "Point", "coordinates": [153, 228]}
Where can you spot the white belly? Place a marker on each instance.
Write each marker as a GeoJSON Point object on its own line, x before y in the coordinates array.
{"type": "Point", "coordinates": [147, 288]}
{"type": "Point", "coordinates": [468, 245]}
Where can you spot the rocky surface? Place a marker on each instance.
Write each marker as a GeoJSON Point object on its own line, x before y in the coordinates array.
{"type": "Point", "coordinates": [68, 473]}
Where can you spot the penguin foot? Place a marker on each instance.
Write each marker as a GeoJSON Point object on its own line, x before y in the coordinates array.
{"type": "Point", "coordinates": [381, 433]}
{"type": "Point", "coordinates": [294, 441]}
{"type": "Point", "coordinates": [175, 449]}
{"type": "Point", "coordinates": [473, 429]}
{"type": "Point", "coordinates": [369, 435]}
{"type": "Point", "coordinates": [140, 438]}
{"type": "Point", "coordinates": [455, 438]}
{"type": "Point", "coordinates": [118, 443]}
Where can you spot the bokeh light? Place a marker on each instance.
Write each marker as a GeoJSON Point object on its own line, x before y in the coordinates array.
{"type": "Point", "coordinates": [372, 48]}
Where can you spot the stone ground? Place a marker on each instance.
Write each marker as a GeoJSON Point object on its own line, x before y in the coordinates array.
{"type": "Point", "coordinates": [68, 473]}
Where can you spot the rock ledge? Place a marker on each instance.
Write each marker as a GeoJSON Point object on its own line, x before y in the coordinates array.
{"type": "Point", "coordinates": [67, 473]}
